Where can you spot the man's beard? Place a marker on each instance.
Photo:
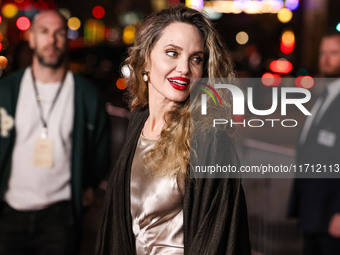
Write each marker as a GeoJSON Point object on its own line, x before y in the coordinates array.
{"type": "Point", "coordinates": [52, 64]}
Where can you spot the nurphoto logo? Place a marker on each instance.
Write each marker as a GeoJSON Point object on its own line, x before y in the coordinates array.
{"type": "Point", "coordinates": [280, 99]}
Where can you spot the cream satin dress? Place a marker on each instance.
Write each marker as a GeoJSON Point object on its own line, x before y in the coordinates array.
{"type": "Point", "coordinates": [156, 208]}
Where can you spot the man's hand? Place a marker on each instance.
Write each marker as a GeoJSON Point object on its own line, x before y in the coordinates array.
{"type": "Point", "coordinates": [88, 197]}
{"type": "Point", "coordinates": [334, 226]}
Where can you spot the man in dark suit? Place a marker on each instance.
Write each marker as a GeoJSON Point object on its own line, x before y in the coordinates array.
{"type": "Point", "coordinates": [316, 202]}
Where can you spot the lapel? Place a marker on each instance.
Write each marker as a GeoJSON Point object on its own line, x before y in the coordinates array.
{"type": "Point", "coordinates": [327, 120]}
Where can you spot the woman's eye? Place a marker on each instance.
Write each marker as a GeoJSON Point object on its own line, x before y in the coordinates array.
{"type": "Point", "coordinates": [197, 59]}
{"type": "Point", "coordinates": [172, 53]}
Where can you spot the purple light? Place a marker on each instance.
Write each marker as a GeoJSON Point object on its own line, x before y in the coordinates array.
{"type": "Point", "coordinates": [241, 4]}
{"type": "Point", "coordinates": [292, 4]}
{"type": "Point", "coordinates": [197, 4]}
{"type": "Point", "coordinates": [276, 4]}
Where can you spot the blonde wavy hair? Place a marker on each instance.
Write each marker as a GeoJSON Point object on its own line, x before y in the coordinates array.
{"type": "Point", "coordinates": [171, 153]}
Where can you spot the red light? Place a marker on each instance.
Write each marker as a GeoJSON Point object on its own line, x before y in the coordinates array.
{"type": "Point", "coordinates": [98, 12]}
{"type": "Point", "coordinates": [0, 46]}
{"type": "Point", "coordinates": [0, 19]}
{"type": "Point", "coordinates": [271, 79]}
{"type": "Point", "coordinates": [281, 66]}
{"type": "Point", "coordinates": [287, 48]}
{"type": "Point", "coordinates": [23, 23]}
{"type": "Point", "coordinates": [306, 82]}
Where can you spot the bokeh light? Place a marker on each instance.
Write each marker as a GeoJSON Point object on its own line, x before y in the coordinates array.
{"type": "Point", "coordinates": [65, 12]}
{"type": "Point", "coordinates": [195, 4]}
{"type": "Point", "coordinates": [0, 19]}
{"type": "Point", "coordinates": [125, 70]}
{"type": "Point", "coordinates": [271, 79]}
{"type": "Point", "coordinates": [338, 27]}
{"type": "Point", "coordinates": [9, 10]}
{"type": "Point", "coordinates": [5, 43]}
{"type": "Point", "coordinates": [287, 42]}
{"type": "Point", "coordinates": [72, 34]}
{"type": "Point", "coordinates": [242, 37]}
{"type": "Point", "coordinates": [23, 23]}
{"type": "Point", "coordinates": [98, 12]}
{"type": "Point", "coordinates": [281, 66]}
{"type": "Point", "coordinates": [306, 82]}
{"type": "Point", "coordinates": [112, 35]}
{"type": "Point", "coordinates": [121, 84]}
{"type": "Point", "coordinates": [129, 33]}
{"type": "Point", "coordinates": [3, 62]}
{"type": "Point", "coordinates": [94, 31]}
{"type": "Point", "coordinates": [301, 72]}
{"type": "Point", "coordinates": [292, 4]}
{"type": "Point", "coordinates": [74, 23]}
{"type": "Point", "coordinates": [285, 15]}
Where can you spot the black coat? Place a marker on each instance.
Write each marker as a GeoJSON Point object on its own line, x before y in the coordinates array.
{"type": "Point", "coordinates": [215, 216]}
{"type": "Point", "coordinates": [315, 200]}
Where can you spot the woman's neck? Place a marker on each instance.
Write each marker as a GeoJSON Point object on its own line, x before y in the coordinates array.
{"type": "Point", "coordinates": [156, 120]}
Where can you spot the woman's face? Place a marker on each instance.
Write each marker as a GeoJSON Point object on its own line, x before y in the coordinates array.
{"type": "Point", "coordinates": [176, 57]}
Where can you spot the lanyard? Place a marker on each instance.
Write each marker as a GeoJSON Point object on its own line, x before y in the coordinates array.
{"type": "Point", "coordinates": [38, 99]}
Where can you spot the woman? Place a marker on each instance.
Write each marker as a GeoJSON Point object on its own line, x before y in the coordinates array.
{"type": "Point", "coordinates": [153, 206]}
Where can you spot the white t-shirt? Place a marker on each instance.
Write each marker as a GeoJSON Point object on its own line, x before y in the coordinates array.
{"type": "Point", "coordinates": [31, 187]}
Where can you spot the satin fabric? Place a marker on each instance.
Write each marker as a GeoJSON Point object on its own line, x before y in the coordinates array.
{"type": "Point", "coordinates": [156, 208]}
{"type": "Point", "coordinates": [214, 210]}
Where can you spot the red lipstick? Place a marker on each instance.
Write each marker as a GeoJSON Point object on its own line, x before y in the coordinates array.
{"type": "Point", "coordinates": [179, 83]}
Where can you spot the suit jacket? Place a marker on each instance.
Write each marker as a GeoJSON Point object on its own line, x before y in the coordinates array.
{"type": "Point", "coordinates": [90, 138]}
{"type": "Point", "coordinates": [314, 201]}
{"type": "Point", "coordinates": [215, 217]}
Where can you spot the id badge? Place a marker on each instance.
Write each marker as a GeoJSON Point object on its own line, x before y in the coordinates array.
{"type": "Point", "coordinates": [43, 153]}
{"type": "Point", "coordinates": [326, 138]}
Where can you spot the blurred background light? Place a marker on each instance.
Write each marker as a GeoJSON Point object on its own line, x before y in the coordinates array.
{"type": "Point", "coordinates": [281, 66]}
{"type": "Point", "coordinates": [72, 34]}
{"type": "Point", "coordinates": [276, 4]}
{"type": "Point", "coordinates": [9, 10]}
{"type": "Point", "coordinates": [338, 27]}
{"type": "Point", "coordinates": [125, 70]}
{"type": "Point", "coordinates": [121, 84]}
{"type": "Point", "coordinates": [94, 31]}
{"type": "Point", "coordinates": [112, 35]}
{"type": "Point", "coordinates": [195, 4]}
{"type": "Point", "coordinates": [129, 33]}
{"type": "Point", "coordinates": [306, 82]}
{"type": "Point", "coordinates": [158, 5]}
{"type": "Point", "coordinates": [98, 12]}
{"type": "Point", "coordinates": [271, 79]}
{"type": "Point", "coordinates": [285, 15]}
{"type": "Point", "coordinates": [65, 12]}
{"type": "Point", "coordinates": [73, 23]}
{"type": "Point", "coordinates": [292, 4]}
{"type": "Point", "coordinates": [0, 19]}
{"type": "Point", "coordinates": [129, 18]}
{"type": "Point", "coordinates": [23, 23]}
{"type": "Point", "coordinates": [287, 42]}
{"type": "Point", "coordinates": [211, 12]}
{"type": "Point", "coordinates": [301, 72]}
{"type": "Point", "coordinates": [242, 37]}
{"type": "Point", "coordinates": [5, 43]}
{"type": "Point", "coordinates": [3, 62]}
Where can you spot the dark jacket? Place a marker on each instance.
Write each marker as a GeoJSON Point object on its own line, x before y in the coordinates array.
{"type": "Point", "coordinates": [90, 144]}
{"type": "Point", "coordinates": [215, 217]}
{"type": "Point", "coordinates": [315, 200]}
